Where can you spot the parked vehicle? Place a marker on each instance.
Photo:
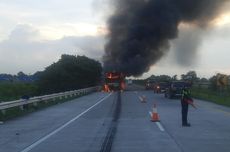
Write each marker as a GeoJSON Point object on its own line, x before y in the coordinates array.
{"type": "Point", "coordinates": [150, 85]}
{"type": "Point", "coordinates": [161, 87]}
{"type": "Point", "coordinates": [175, 89]}
{"type": "Point", "coordinates": [129, 82]}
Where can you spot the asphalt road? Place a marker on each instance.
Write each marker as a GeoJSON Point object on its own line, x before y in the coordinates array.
{"type": "Point", "coordinates": [103, 122]}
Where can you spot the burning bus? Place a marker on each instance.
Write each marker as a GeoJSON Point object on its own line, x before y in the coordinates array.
{"type": "Point", "coordinates": [114, 81]}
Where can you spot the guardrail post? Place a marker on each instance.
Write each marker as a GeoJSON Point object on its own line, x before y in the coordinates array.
{"type": "Point", "coordinates": [35, 104]}
{"type": "Point", "coordinates": [21, 107]}
{"type": "Point", "coordinates": [3, 111]}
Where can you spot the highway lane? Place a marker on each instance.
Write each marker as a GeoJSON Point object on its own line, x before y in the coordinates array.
{"type": "Point", "coordinates": [131, 131]}
{"type": "Point", "coordinates": [85, 134]}
{"type": "Point", "coordinates": [19, 133]}
{"type": "Point", "coordinates": [210, 129]}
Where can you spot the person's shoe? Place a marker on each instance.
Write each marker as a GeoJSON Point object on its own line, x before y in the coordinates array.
{"type": "Point", "coordinates": [186, 125]}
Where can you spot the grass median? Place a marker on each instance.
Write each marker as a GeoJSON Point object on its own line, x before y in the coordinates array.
{"type": "Point", "coordinates": [218, 97]}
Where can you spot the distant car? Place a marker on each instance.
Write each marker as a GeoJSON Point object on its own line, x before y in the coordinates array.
{"type": "Point", "coordinates": [175, 89]}
{"type": "Point", "coordinates": [129, 82]}
{"type": "Point", "coordinates": [150, 85]}
{"type": "Point", "coordinates": [161, 87]}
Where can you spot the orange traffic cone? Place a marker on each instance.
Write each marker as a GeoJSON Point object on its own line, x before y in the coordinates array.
{"type": "Point", "coordinates": [154, 115]}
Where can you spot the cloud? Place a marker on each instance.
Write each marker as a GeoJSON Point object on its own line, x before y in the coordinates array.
{"type": "Point", "coordinates": [25, 49]}
{"type": "Point", "coordinates": [209, 52]}
{"type": "Point", "coordinates": [57, 31]}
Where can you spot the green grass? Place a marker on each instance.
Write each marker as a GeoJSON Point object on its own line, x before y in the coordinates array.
{"type": "Point", "coordinates": [218, 97]}
{"type": "Point", "coordinates": [14, 90]}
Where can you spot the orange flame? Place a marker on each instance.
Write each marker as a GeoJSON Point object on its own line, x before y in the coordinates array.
{"type": "Point", "coordinates": [123, 85]}
{"type": "Point", "coordinates": [106, 88]}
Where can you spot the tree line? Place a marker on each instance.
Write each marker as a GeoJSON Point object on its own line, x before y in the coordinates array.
{"type": "Point", "coordinates": [191, 76]}
{"type": "Point", "coordinates": [68, 73]}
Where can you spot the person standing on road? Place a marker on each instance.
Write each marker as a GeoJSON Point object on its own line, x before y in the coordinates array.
{"type": "Point", "coordinates": [186, 95]}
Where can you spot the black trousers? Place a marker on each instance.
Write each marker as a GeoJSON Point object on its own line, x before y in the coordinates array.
{"type": "Point", "coordinates": [184, 112]}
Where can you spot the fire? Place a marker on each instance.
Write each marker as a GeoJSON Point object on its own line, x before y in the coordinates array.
{"type": "Point", "coordinates": [123, 85]}
{"type": "Point", "coordinates": [114, 81]}
{"type": "Point", "coordinates": [106, 88]}
{"type": "Point", "coordinates": [112, 75]}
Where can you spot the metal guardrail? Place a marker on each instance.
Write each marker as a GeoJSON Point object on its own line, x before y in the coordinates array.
{"type": "Point", "coordinates": [46, 98]}
{"type": "Point", "coordinates": [202, 85]}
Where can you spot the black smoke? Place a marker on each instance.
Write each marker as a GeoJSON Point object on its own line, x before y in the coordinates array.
{"type": "Point", "coordinates": [140, 30]}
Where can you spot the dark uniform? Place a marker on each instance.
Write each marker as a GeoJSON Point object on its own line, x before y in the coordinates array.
{"type": "Point", "coordinates": [184, 104]}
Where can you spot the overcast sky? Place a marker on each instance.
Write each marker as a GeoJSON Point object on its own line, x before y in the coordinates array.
{"type": "Point", "coordinates": [34, 34]}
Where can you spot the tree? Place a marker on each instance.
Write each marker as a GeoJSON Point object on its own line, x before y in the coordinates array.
{"type": "Point", "coordinates": [70, 73]}
{"type": "Point", "coordinates": [174, 78]}
{"type": "Point", "coordinates": [190, 76]}
{"type": "Point", "coordinates": [213, 81]}
{"type": "Point", "coordinates": [160, 78]}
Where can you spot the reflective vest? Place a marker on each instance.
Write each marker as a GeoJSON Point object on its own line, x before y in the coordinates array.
{"type": "Point", "coordinates": [186, 93]}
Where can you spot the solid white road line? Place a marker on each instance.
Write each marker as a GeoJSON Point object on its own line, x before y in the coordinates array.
{"type": "Point", "coordinates": [63, 126]}
{"type": "Point", "coordinates": [160, 126]}
{"type": "Point", "coordinates": [150, 113]}
{"type": "Point", "coordinates": [158, 123]}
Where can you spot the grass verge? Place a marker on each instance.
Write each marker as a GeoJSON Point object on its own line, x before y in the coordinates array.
{"type": "Point", "coordinates": [222, 98]}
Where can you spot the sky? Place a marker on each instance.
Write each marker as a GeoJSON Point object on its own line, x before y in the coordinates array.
{"type": "Point", "coordinates": [34, 34]}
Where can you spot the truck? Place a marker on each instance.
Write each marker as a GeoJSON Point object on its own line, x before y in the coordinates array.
{"type": "Point", "coordinates": [150, 84]}
{"type": "Point", "coordinates": [175, 89]}
{"type": "Point", "coordinates": [114, 81]}
{"type": "Point", "coordinates": [161, 87]}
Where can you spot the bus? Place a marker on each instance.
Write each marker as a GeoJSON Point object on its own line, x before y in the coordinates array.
{"type": "Point", "coordinates": [114, 81]}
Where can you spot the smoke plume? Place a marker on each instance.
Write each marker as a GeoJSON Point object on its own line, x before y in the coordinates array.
{"type": "Point", "coordinates": [140, 30]}
{"type": "Point", "coordinates": [185, 47]}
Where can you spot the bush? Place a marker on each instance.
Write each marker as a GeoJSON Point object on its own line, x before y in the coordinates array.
{"type": "Point", "coordinates": [70, 73]}
{"type": "Point", "coordinates": [14, 90]}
